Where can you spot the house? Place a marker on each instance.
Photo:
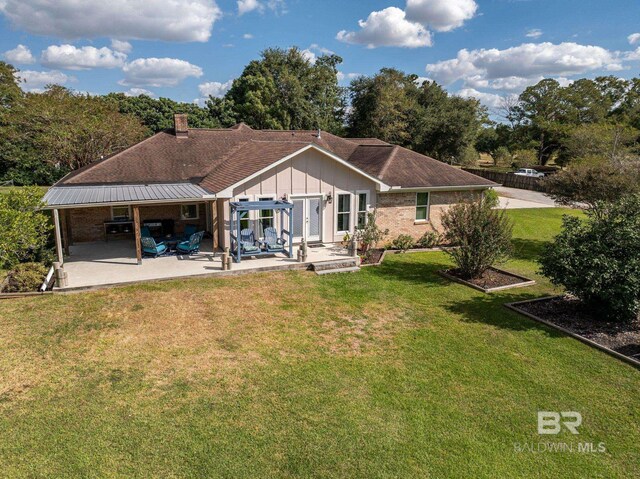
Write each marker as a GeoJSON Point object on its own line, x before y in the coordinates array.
{"type": "Point", "coordinates": [191, 176]}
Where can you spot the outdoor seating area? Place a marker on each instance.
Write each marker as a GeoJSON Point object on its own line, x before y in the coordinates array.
{"type": "Point", "coordinates": [186, 244]}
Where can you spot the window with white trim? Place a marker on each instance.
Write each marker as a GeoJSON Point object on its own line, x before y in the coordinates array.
{"type": "Point", "coordinates": [343, 216]}
{"type": "Point", "coordinates": [362, 208]}
{"type": "Point", "coordinates": [422, 206]}
{"type": "Point", "coordinates": [121, 213]}
{"type": "Point", "coordinates": [265, 217]}
{"type": "Point", "coordinates": [244, 222]}
{"type": "Point", "coordinates": [190, 211]}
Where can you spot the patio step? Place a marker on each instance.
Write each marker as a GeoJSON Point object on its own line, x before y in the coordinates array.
{"type": "Point", "coordinates": [337, 266]}
{"type": "Point", "coordinates": [351, 269]}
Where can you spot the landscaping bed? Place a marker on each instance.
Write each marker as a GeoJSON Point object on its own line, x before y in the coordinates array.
{"type": "Point", "coordinates": [493, 279]}
{"type": "Point", "coordinates": [568, 313]}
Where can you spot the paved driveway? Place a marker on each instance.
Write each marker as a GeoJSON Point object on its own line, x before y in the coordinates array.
{"type": "Point", "coordinates": [514, 198]}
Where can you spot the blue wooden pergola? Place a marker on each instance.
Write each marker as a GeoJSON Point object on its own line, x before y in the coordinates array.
{"type": "Point", "coordinates": [240, 210]}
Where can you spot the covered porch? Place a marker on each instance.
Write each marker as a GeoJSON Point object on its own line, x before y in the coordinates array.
{"type": "Point", "coordinates": [101, 264]}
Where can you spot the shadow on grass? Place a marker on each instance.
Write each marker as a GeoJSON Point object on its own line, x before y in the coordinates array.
{"type": "Point", "coordinates": [528, 249]}
{"type": "Point", "coordinates": [412, 268]}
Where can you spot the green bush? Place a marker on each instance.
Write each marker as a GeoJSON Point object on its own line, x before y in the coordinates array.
{"type": "Point", "coordinates": [403, 243]}
{"type": "Point", "coordinates": [25, 278]}
{"type": "Point", "coordinates": [598, 260]}
{"type": "Point", "coordinates": [481, 236]}
{"type": "Point", "coordinates": [492, 198]}
{"type": "Point", "coordinates": [430, 239]}
{"type": "Point", "coordinates": [371, 234]}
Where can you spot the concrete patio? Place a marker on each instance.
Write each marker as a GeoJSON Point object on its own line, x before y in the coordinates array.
{"type": "Point", "coordinates": [101, 264]}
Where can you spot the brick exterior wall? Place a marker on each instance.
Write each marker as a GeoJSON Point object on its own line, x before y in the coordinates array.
{"type": "Point", "coordinates": [397, 211]}
{"type": "Point", "coordinates": [87, 224]}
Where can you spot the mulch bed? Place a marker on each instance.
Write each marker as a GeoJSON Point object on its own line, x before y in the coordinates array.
{"type": "Point", "coordinates": [492, 278]}
{"type": "Point", "coordinates": [569, 313]}
{"type": "Point", "coordinates": [374, 257]}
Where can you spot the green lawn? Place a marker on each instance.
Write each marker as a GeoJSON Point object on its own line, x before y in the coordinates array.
{"type": "Point", "coordinates": [390, 372]}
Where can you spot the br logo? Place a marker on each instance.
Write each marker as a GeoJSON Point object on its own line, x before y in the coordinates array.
{"type": "Point", "coordinates": [551, 422]}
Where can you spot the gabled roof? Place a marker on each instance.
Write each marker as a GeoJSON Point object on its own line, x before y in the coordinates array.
{"type": "Point", "coordinates": [216, 159]}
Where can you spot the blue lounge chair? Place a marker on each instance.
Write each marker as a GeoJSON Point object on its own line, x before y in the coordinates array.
{"type": "Point", "coordinates": [151, 248]}
{"type": "Point", "coordinates": [272, 242]}
{"type": "Point", "coordinates": [144, 231]}
{"type": "Point", "coordinates": [248, 243]}
{"type": "Point", "coordinates": [188, 231]}
{"type": "Point", "coordinates": [192, 245]}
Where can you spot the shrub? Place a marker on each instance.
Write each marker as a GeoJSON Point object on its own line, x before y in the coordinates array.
{"type": "Point", "coordinates": [25, 278]}
{"type": "Point", "coordinates": [502, 156]}
{"type": "Point", "coordinates": [598, 260]}
{"type": "Point", "coordinates": [430, 239]}
{"type": "Point", "coordinates": [25, 228]}
{"type": "Point", "coordinates": [370, 235]}
{"type": "Point", "coordinates": [403, 243]}
{"type": "Point", "coordinates": [492, 198]}
{"type": "Point", "coordinates": [481, 236]}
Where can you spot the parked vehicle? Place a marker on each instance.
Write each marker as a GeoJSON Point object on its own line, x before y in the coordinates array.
{"type": "Point", "coordinates": [529, 172]}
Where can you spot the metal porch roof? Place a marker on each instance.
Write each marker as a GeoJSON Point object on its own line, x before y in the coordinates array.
{"type": "Point", "coordinates": [66, 196]}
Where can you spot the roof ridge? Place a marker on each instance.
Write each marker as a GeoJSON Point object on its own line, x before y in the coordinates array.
{"type": "Point", "coordinates": [388, 161]}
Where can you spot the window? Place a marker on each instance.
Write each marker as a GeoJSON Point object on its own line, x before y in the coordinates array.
{"type": "Point", "coordinates": [265, 217]}
{"type": "Point", "coordinates": [344, 212]}
{"type": "Point", "coordinates": [120, 213]}
{"type": "Point", "coordinates": [244, 222]}
{"type": "Point", "coordinates": [189, 212]}
{"type": "Point", "coordinates": [422, 206]}
{"type": "Point", "coordinates": [363, 200]}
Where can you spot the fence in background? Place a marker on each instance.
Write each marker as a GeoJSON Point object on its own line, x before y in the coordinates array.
{"type": "Point", "coordinates": [510, 180]}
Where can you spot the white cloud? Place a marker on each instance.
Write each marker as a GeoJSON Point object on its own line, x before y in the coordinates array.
{"type": "Point", "coordinates": [158, 72]}
{"type": "Point", "coordinates": [347, 76]}
{"type": "Point", "coordinates": [441, 15]}
{"type": "Point", "coordinates": [174, 20]}
{"type": "Point", "coordinates": [533, 33]}
{"type": "Point", "coordinates": [247, 6]}
{"type": "Point", "coordinates": [388, 27]}
{"type": "Point", "coordinates": [68, 57]}
{"type": "Point", "coordinates": [35, 81]}
{"type": "Point", "coordinates": [247, 36]}
{"type": "Point", "coordinates": [311, 54]}
{"type": "Point", "coordinates": [138, 92]}
{"type": "Point", "coordinates": [214, 88]}
{"type": "Point", "coordinates": [20, 54]}
{"type": "Point", "coordinates": [528, 60]}
{"type": "Point", "coordinates": [489, 99]}
{"type": "Point", "coordinates": [121, 46]}
{"type": "Point", "coordinates": [634, 38]}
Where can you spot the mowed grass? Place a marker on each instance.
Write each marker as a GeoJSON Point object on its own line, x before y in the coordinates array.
{"type": "Point", "coordinates": [390, 372]}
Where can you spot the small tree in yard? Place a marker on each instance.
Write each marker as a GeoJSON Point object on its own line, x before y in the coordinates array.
{"type": "Point", "coordinates": [480, 236]}
{"type": "Point", "coordinates": [25, 229]}
{"type": "Point", "coordinates": [598, 260]}
{"type": "Point", "coordinates": [370, 234]}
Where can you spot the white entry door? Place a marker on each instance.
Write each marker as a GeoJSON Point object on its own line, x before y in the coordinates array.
{"type": "Point", "coordinates": [307, 218]}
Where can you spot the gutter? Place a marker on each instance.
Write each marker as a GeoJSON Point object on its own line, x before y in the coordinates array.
{"type": "Point", "coordinates": [400, 189]}
{"type": "Point", "coordinates": [126, 203]}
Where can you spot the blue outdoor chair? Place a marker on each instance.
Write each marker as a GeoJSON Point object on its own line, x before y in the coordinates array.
{"type": "Point", "coordinates": [192, 245]}
{"type": "Point", "coordinates": [272, 242]}
{"type": "Point", "coordinates": [144, 231]}
{"type": "Point", "coordinates": [151, 248]}
{"type": "Point", "coordinates": [248, 243]}
{"type": "Point", "coordinates": [188, 231]}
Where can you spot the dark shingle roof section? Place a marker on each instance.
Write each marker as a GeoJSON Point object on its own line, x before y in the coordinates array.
{"type": "Point", "coordinates": [218, 158]}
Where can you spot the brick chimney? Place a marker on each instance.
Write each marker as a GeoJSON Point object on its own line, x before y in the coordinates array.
{"type": "Point", "coordinates": [180, 126]}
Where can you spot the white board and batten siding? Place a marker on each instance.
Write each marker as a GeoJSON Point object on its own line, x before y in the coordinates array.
{"type": "Point", "coordinates": [310, 173]}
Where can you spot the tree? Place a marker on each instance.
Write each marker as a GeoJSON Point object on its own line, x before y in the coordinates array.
{"type": "Point", "coordinates": [10, 91]}
{"type": "Point", "coordinates": [25, 228]}
{"type": "Point", "coordinates": [284, 90]}
{"type": "Point", "coordinates": [598, 260]}
{"type": "Point", "coordinates": [479, 234]}
{"type": "Point", "coordinates": [49, 134]}
{"type": "Point", "coordinates": [605, 141]}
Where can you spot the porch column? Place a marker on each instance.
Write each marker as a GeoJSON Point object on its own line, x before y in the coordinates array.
{"type": "Point", "coordinates": [214, 225]}
{"type": "Point", "coordinates": [136, 229]}
{"type": "Point", "coordinates": [56, 224]}
{"type": "Point", "coordinates": [64, 227]}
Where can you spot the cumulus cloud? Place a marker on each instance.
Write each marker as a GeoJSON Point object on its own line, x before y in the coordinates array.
{"type": "Point", "coordinates": [247, 36]}
{"type": "Point", "coordinates": [347, 76]}
{"type": "Point", "coordinates": [68, 57]}
{"type": "Point", "coordinates": [247, 6]}
{"type": "Point", "coordinates": [441, 15]}
{"type": "Point", "coordinates": [175, 20]}
{"type": "Point", "coordinates": [634, 38]}
{"type": "Point", "coordinates": [491, 100]}
{"type": "Point", "coordinates": [311, 54]}
{"type": "Point", "coordinates": [138, 92]}
{"type": "Point", "coordinates": [214, 88]}
{"type": "Point", "coordinates": [528, 60]}
{"type": "Point", "coordinates": [20, 54]}
{"type": "Point", "coordinates": [121, 46]}
{"type": "Point", "coordinates": [388, 27]}
{"type": "Point", "coordinates": [35, 81]}
{"type": "Point", "coordinates": [158, 72]}
{"type": "Point", "coordinates": [533, 33]}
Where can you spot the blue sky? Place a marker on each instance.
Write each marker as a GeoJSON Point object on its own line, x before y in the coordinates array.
{"type": "Point", "coordinates": [185, 49]}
